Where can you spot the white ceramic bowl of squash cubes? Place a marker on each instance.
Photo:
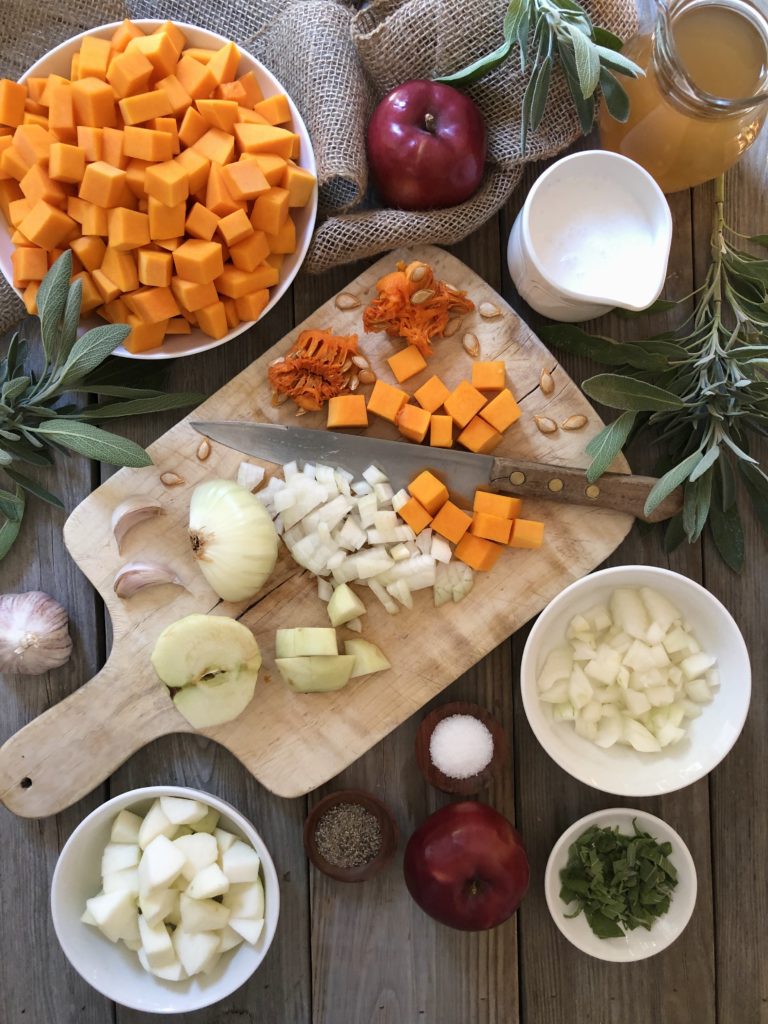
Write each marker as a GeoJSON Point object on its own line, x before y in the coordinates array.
{"type": "Point", "coordinates": [717, 713]}
{"type": "Point", "coordinates": [104, 960]}
{"type": "Point", "coordinates": [57, 62]}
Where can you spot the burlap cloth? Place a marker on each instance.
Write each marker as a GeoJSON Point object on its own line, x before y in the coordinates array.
{"type": "Point", "coordinates": [336, 61]}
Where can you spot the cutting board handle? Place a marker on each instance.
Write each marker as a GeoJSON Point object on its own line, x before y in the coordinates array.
{"type": "Point", "coordinates": [42, 768]}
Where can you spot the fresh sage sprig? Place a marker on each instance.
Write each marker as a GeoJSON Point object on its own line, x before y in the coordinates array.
{"type": "Point", "coordinates": [39, 413]}
{"type": "Point", "coordinates": [549, 32]}
{"type": "Point", "coordinates": [702, 390]}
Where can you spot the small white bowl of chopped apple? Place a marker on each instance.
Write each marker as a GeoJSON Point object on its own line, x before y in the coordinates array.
{"type": "Point", "coordinates": [165, 899]}
{"type": "Point", "coordinates": [636, 680]}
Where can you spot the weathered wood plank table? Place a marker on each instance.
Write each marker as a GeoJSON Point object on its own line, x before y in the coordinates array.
{"type": "Point", "coordinates": [347, 954]}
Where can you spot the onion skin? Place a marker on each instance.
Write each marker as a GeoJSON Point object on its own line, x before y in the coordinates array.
{"type": "Point", "coordinates": [233, 539]}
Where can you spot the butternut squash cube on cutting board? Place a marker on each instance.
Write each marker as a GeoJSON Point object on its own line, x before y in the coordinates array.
{"type": "Point", "coordinates": [463, 403]}
{"type": "Point", "coordinates": [501, 505]}
{"type": "Point", "coordinates": [502, 411]}
{"type": "Point", "coordinates": [406, 364]}
{"type": "Point", "coordinates": [477, 553]}
{"type": "Point", "coordinates": [479, 436]}
{"type": "Point", "coordinates": [451, 522]}
{"type": "Point", "coordinates": [346, 411]}
{"type": "Point", "coordinates": [440, 431]}
{"type": "Point", "coordinates": [386, 401]}
{"type": "Point", "coordinates": [428, 491]}
{"type": "Point", "coordinates": [413, 422]}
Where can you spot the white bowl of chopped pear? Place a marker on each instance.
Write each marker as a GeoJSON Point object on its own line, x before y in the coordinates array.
{"type": "Point", "coordinates": [165, 899]}
{"type": "Point", "coordinates": [636, 680]}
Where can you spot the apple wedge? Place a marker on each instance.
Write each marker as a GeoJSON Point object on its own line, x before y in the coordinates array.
{"type": "Point", "coordinates": [316, 674]}
{"type": "Point", "coordinates": [368, 658]}
{"type": "Point", "coordinates": [305, 641]}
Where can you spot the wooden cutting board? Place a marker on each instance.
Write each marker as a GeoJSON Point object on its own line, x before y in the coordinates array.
{"type": "Point", "coordinates": [292, 742]}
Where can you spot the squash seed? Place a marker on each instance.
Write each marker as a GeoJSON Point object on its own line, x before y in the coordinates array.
{"type": "Point", "coordinates": [204, 449]}
{"type": "Point", "coordinates": [354, 382]}
{"type": "Point", "coordinates": [546, 382]}
{"type": "Point", "coordinates": [367, 377]}
{"type": "Point", "coordinates": [417, 273]}
{"type": "Point", "coordinates": [345, 300]}
{"type": "Point", "coordinates": [488, 310]}
{"type": "Point", "coordinates": [545, 424]}
{"type": "Point", "coordinates": [422, 295]}
{"type": "Point", "coordinates": [574, 422]}
{"type": "Point", "coordinates": [169, 479]}
{"type": "Point", "coordinates": [471, 345]}
{"type": "Point", "coordinates": [361, 362]}
{"type": "Point", "coordinates": [452, 327]}
{"type": "Point", "coordinates": [278, 399]}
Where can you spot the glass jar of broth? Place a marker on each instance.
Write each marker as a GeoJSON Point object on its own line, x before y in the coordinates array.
{"type": "Point", "coordinates": [704, 95]}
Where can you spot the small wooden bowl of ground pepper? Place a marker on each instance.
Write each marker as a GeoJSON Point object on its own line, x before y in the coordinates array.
{"type": "Point", "coordinates": [350, 835]}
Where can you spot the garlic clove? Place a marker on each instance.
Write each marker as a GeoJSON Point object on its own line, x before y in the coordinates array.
{"type": "Point", "coordinates": [34, 633]}
{"type": "Point", "coordinates": [134, 576]}
{"type": "Point", "coordinates": [130, 513]}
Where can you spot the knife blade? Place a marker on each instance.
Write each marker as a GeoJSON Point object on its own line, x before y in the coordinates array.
{"type": "Point", "coordinates": [462, 472]}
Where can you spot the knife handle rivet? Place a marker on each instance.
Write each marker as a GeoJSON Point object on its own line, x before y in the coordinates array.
{"type": "Point", "coordinates": [593, 491]}
{"type": "Point", "coordinates": [555, 485]}
{"type": "Point", "coordinates": [517, 478]}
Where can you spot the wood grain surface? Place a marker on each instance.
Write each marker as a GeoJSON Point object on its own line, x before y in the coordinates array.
{"type": "Point", "coordinates": [366, 954]}
{"type": "Point", "coordinates": [294, 742]}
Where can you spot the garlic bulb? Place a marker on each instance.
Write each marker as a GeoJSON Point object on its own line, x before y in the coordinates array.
{"type": "Point", "coordinates": [232, 538]}
{"type": "Point", "coordinates": [34, 633]}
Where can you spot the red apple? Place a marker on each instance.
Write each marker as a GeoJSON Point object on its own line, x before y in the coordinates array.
{"type": "Point", "coordinates": [466, 866]}
{"type": "Point", "coordinates": [426, 146]}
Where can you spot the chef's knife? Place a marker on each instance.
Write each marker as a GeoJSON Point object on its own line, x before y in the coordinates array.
{"type": "Point", "coordinates": [462, 472]}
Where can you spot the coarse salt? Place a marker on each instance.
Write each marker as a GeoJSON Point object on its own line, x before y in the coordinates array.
{"type": "Point", "coordinates": [461, 746]}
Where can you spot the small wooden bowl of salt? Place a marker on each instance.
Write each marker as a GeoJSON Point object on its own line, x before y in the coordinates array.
{"type": "Point", "coordinates": [460, 747]}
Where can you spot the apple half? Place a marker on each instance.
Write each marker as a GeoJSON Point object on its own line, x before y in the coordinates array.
{"type": "Point", "coordinates": [213, 663]}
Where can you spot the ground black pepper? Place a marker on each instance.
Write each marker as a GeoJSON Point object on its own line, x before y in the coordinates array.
{"type": "Point", "coordinates": [348, 835]}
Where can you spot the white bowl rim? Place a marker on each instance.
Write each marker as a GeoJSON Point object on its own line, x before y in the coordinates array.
{"type": "Point", "coordinates": [132, 796]}
{"type": "Point", "coordinates": [649, 822]}
{"type": "Point", "coordinates": [308, 158]}
{"type": "Point", "coordinates": [528, 671]}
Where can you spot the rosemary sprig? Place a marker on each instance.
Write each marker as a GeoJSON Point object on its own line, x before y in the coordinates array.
{"type": "Point", "coordinates": [552, 32]}
{"type": "Point", "coordinates": [38, 416]}
{"type": "Point", "coordinates": [704, 391]}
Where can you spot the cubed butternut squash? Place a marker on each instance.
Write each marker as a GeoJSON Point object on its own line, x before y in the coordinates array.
{"type": "Point", "coordinates": [502, 411]}
{"type": "Point", "coordinates": [220, 114]}
{"type": "Point", "coordinates": [431, 395]}
{"type": "Point", "coordinates": [489, 376]}
{"type": "Point", "coordinates": [193, 296]}
{"type": "Point", "coordinates": [143, 335]}
{"type": "Point", "coordinates": [218, 198]}
{"type": "Point", "coordinates": [285, 240]}
{"type": "Point", "coordinates": [29, 297]}
{"type": "Point", "coordinates": [413, 422]}
{"type": "Point", "coordinates": [94, 57]}
{"type": "Point", "coordinates": [246, 180]}
{"type": "Point", "coordinates": [264, 138]}
{"type": "Point", "coordinates": [168, 182]}
{"type": "Point", "coordinates": [479, 436]}
{"type": "Point", "coordinates": [91, 296]}
{"type": "Point", "coordinates": [143, 106]}
{"type": "Point", "coordinates": [428, 491]}
{"type": "Point", "coordinates": [29, 264]}
{"type": "Point", "coordinates": [159, 51]}
{"type": "Point", "coordinates": [33, 144]}
{"type": "Point", "coordinates": [152, 305]}
{"type": "Point", "coordinates": [213, 320]}
{"type": "Point", "coordinates": [386, 401]}
{"type": "Point", "coordinates": [112, 151]}
{"type": "Point", "coordinates": [252, 89]}
{"type": "Point", "coordinates": [91, 141]}
{"type": "Point", "coordinates": [477, 553]}
{"type": "Point", "coordinates": [178, 96]}
{"type": "Point", "coordinates": [199, 261]}
{"type": "Point", "coordinates": [120, 267]}
{"type": "Point", "coordinates": [102, 184]}
{"type": "Point", "coordinates": [526, 533]}
{"type": "Point", "coordinates": [175, 34]}
{"type": "Point", "coordinates": [107, 289]}
{"type": "Point", "coordinates": [270, 213]}
{"type": "Point", "coordinates": [123, 34]}
{"type": "Point", "coordinates": [129, 74]}
{"type": "Point", "coordinates": [194, 77]}
{"type": "Point", "coordinates": [61, 113]}
{"type": "Point", "coordinates": [90, 250]}
{"type": "Point", "coordinates": [178, 325]}
{"type": "Point", "coordinates": [406, 364]}
{"type": "Point", "coordinates": [501, 505]}
{"type": "Point", "coordinates": [451, 522]}
{"type": "Point", "coordinates": [235, 227]}
{"type": "Point", "coordinates": [271, 165]}
{"type": "Point", "coordinates": [235, 283]}
{"type": "Point", "coordinates": [155, 268]}
{"type": "Point", "coordinates": [193, 127]}
{"type": "Point", "coordinates": [67, 163]}
{"type": "Point", "coordinates": [47, 226]}
{"type": "Point", "coordinates": [38, 184]}
{"type": "Point", "coordinates": [95, 220]}
{"type": "Point", "coordinates": [299, 183]}
{"type": "Point", "coordinates": [440, 431]}
{"type": "Point", "coordinates": [414, 515]}
{"type": "Point", "coordinates": [128, 229]}
{"type": "Point", "coordinates": [94, 103]}
{"type": "Point", "coordinates": [463, 403]}
{"type": "Point", "coordinates": [274, 109]}
{"type": "Point", "coordinates": [165, 221]}
{"type": "Point", "coordinates": [346, 411]}
{"type": "Point", "coordinates": [201, 222]}
{"type": "Point", "coordinates": [224, 63]}
{"type": "Point", "coordinates": [251, 306]}
{"type": "Point", "coordinates": [12, 97]}
{"type": "Point", "coordinates": [491, 527]}
{"type": "Point", "coordinates": [216, 145]}
{"type": "Point", "coordinates": [147, 144]}
{"type": "Point", "coordinates": [197, 167]}
{"type": "Point", "coordinates": [251, 252]}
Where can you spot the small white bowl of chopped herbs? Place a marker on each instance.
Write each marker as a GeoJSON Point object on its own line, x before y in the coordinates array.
{"type": "Point", "coordinates": [636, 680]}
{"type": "Point", "coordinates": [620, 885]}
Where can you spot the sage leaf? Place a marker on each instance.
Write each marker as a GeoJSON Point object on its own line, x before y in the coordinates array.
{"type": "Point", "coordinates": [51, 301]}
{"type": "Point", "coordinates": [587, 62]}
{"type": "Point", "coordinates": [671, 479]}
{"type": "Point", "coordinates": [540, 92]}
{"type": "Point", "coordinates": [479, 67]}
{"type": "Point", "coordinates": [94, 443]}
{"type": "Point", "coordinates": [696, 504]}
{"type": "Point", "coordinates": [615, 97]}
{"type": "Point", "coordinates": [11, 506]}
{"type": "Point", "coordinates": [13, 389]}
{"type": "Point", "coordinates": [727, 532]}
{"type": "Point", "coordinates": [155, 403]}
{"type": "Point", "coordinates": [605, 38]}
{"type": "Point", "coordinates": [9, 530]}
{"type": "Point", "coordinates": [34, 488]}
{"type": "Point", "coordinates": [584, 108]}
{"type": "Point", "coordinates": [604, 350]}
{"type": "Point", "coordinates": [618, 392]}
{"type": "Point", "coordinates": [605, 446]}
{"type": "Point", "coordinates": [71, 319]}
{"type": "Point", "coordinates": [619, 62]}
{"type": "Point", "coordinates": [708, 460]}
{"type": "Point", "coordinates": [89, 351]}
{"type": "Point", "coordinates": [674, 534]}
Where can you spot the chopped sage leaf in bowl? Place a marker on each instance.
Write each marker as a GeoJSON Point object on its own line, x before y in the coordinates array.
{"type": "Point", "coordinates": [620, 885]}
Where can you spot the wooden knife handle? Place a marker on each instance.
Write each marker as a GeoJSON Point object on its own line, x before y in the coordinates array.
{"type": "Point", "coordinates": [620, 492]}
